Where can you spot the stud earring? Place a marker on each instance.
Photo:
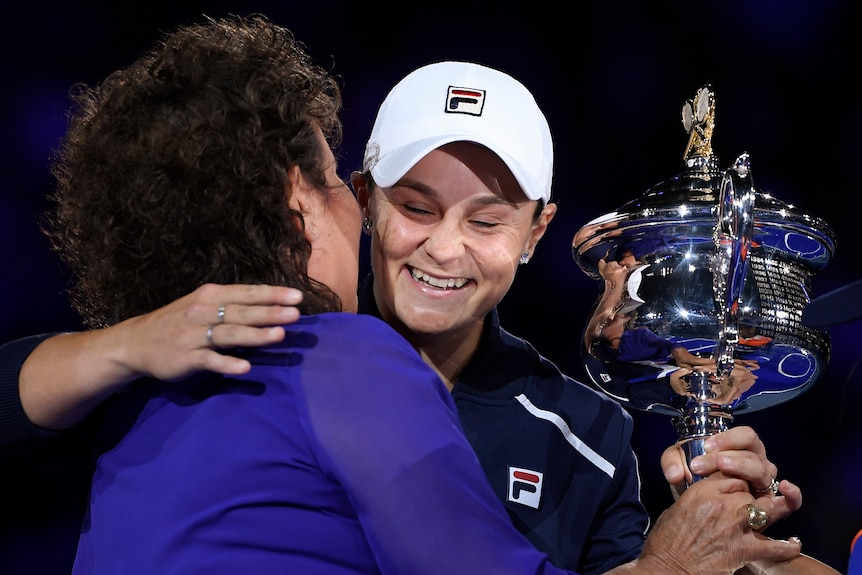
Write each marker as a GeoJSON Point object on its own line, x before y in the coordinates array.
{"type": "Point", "coordinates": [366, 226]}
{"type": "Point", "coordinates": [525, 258]}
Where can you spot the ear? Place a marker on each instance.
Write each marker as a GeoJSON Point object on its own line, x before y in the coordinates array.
{"type": "Point", "coordinates": [302, 197]}
{"type": "Point", "coordinates": [541, 226]}
{"type": "Point", "coordinates": [360, 188]}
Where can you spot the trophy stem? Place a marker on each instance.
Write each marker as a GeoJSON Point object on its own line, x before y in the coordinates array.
{"type": "Point", "coordinates": [700, 417]}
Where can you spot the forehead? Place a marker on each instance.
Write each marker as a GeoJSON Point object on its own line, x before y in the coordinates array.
{"type": "Point", "coordinates": [468, 167]}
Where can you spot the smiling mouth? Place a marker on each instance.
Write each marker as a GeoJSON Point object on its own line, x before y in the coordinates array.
{"type": "Point", "coordinates": [440, 283]}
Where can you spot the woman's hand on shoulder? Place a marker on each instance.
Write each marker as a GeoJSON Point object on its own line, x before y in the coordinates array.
{"type": "Point", "coordinates": [196, 332]}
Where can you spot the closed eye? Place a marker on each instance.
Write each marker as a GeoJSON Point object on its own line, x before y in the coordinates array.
{"type": "Point", "coordinates": [415, 209]}
{"type": "Point", "coordinates": [484, 224]}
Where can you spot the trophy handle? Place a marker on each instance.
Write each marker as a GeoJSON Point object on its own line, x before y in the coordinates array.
{"type": "Point", "coordinates": [733, 242]}
{"type": "Point", "coordinates": [703, 414]}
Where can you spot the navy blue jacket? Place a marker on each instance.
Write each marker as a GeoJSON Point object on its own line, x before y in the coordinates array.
{"type": "Point", "coordinates": [558, 453]}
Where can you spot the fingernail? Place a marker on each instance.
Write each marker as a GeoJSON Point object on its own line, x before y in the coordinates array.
{"type": "Point", "coordinates": [795, 540]}
{"type": "Point", "coordinates": [673, 472]}
{"type": "Point", "coordinates": [708, 444]}
{"type": "Point", "coordinates": [696, 465]}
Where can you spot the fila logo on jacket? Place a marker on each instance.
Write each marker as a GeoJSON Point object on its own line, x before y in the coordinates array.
{"type": "Point", "coordinates": [525, 486]}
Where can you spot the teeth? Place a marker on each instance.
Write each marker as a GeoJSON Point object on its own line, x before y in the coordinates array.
{"type": "Point", "coordinates": [442, 283]}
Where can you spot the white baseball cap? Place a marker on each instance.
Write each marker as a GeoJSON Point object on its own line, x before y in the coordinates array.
{"type": "Point", "coordinates": [460, 101]}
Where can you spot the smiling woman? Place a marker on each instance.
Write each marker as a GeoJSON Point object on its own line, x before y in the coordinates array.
{"type": "Point", "coordinates": [458, 191]}
{"type": "Point", "coordinates": [457, 183]}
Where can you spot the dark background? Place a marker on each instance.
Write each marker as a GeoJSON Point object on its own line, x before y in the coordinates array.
{"type": "Point", "coordinates": [610, 76]}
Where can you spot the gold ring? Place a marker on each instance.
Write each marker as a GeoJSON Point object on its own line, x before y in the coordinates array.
{"type": "Point", "coordinates": [220, 314]}
{"type": "Point", "coordinates": [773, 488]}
{"type": "Point", "coordinates": [757, 517]}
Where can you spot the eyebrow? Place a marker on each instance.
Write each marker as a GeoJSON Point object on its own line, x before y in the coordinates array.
{"type": "Point", "coordinates": [485, 200]}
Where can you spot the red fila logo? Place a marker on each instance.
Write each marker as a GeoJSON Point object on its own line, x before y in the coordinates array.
{"type": "Point", "coordinates": [525, 486]}
{"type": "Point", "coordinates": [465, 101]}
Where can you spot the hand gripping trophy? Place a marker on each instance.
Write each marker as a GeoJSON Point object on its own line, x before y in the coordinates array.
{"type": "Point", "coordinates": [704, 281]}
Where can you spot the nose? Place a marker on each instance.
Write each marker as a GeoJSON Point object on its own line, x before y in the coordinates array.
{"type": "Point", "coordinates": [445, 241]}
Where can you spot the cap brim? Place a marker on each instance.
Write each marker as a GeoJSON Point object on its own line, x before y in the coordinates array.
{"type": "Point", "coordinates": [838, 306]}
{"type": "Point", "coordinates": [388, 169]}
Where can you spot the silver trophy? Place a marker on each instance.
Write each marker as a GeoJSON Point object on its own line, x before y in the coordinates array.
{"type": "Point", "coordinates": [704, 281]}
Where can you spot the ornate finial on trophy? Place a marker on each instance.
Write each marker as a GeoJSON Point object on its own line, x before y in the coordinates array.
{"type": "Point", "coordinates": [698, 119]}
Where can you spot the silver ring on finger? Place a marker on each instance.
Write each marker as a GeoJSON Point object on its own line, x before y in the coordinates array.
{"type": "Point", "coordinates": [210, 341]}
{"type": "Point", "coordinates": [220, 314]}
{"type": "Point", "coordinates": [772, 488]}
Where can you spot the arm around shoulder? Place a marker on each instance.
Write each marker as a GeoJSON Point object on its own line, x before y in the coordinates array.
{"type": "Point", "coordinates": [15, 427]}
{"type": "Point", "coordinates": [65, 376]}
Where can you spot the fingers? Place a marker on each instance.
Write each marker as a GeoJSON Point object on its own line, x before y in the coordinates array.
{"type": "Point", "coordinates": [712, 524]}
{"type": "Point", "coordinates": [225, 336]}
{"type": "Point", "coordinates": [791, 494]}
{"type": "Point", "coordinates": [739, 462]}
{"type": "Point", "coordinates": [220, 361]}
{"type": "Point", "coordinates": [753, 517]}
{"type": "Point", "coordinates": [741, 437]}
{"type": "Point", "coordinates": [739, 452]}
{"type": "Point", "coordinates": [777, 550]}
{"type": "Point", "coordinates": [234, 314]}
{"type": "Point", "coordinates": [674, 467]}
{"type": "Point", "coordinates": [789, 500]}
{"type": "Point", "coordinates": [726, 484]}
{"type": "Point", "coordinates": [252, 305]}
{"type": "Point", "coordinates": [251, 294]}
{"type": "Point", "coordinates": [197, 331]}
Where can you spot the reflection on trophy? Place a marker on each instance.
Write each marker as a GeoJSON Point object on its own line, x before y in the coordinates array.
{"type": "Point", "coordinates": [704, 281]}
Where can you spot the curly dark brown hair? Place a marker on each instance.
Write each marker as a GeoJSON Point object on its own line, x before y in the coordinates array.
{"type": "Point", "coordinates": [173, 171]}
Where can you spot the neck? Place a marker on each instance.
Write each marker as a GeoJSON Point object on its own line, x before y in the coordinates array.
{"type": "Point", "coordinates": [448, 354]}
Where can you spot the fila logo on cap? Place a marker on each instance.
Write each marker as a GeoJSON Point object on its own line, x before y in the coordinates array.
{"type": "Point", "coordinates": [525, 486]}
{"type": "Point", "coordinates": [465, 101]}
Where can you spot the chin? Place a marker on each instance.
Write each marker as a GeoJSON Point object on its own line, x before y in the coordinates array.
{"type": "Point", "coordinates": [429, 322]}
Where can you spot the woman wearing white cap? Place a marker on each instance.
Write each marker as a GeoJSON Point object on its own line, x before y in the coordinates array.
{"type": "Point", "coordinates": [456, 190]}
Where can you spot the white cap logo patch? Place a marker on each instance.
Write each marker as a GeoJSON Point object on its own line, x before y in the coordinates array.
{"type": "Point", "coordinates": [465, 101]}
{"type": "Point", "coordinates": [525, 486]}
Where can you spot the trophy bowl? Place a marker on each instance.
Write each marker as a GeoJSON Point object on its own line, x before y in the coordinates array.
{"type": "Point", "coordinates": [704, 279]}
